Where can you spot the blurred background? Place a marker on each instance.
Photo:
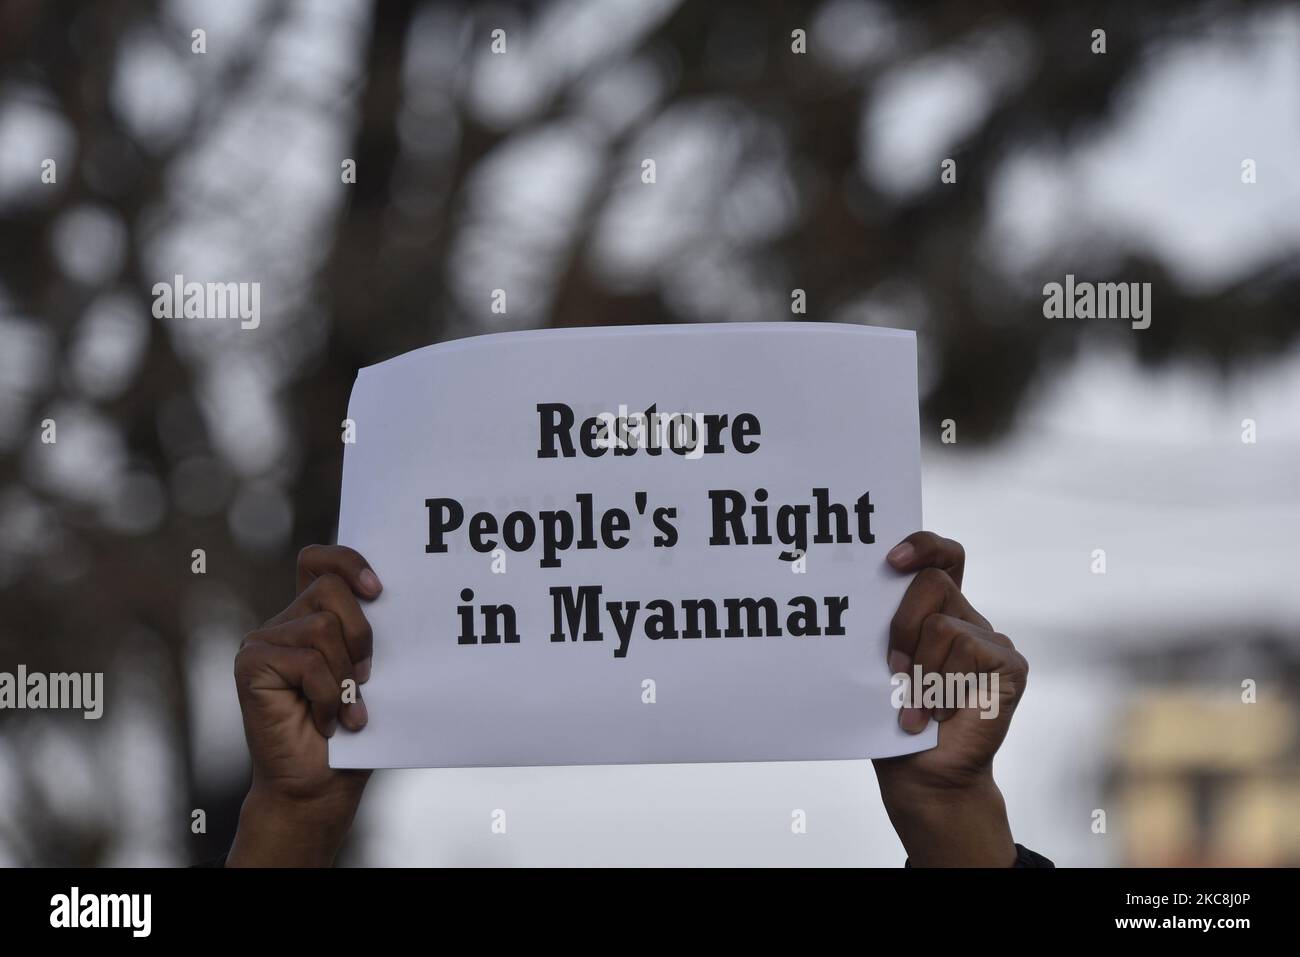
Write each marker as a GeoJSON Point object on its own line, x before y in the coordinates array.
{"type": "Point", "coordinates": [776, 170]}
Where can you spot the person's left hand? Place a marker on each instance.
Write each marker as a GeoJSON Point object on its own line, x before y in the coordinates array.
{"type": "Point", "coordinates": [943, 802]}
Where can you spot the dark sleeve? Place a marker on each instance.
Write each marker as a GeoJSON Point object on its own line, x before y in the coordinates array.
{"type": "Point", "coordinates": [1024, 858]}
{"type": "Point", "coordinates": [213, 862]}
{"type": "Point", "coordinates": [1027, 858]}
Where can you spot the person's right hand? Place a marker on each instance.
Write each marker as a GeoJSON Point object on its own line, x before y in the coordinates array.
{"type": "Point", "coordinates": [290, 675]}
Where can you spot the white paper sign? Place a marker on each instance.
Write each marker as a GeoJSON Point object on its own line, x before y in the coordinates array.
{"type": "Point", "coordinates": [571, 579]}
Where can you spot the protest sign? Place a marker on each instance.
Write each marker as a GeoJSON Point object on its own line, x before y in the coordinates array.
{"type": "Point", "coordinates": [633, 545]}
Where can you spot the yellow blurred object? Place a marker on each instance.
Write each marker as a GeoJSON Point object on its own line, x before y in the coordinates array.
{"type": "Point", "coordinates": [1207, 779]}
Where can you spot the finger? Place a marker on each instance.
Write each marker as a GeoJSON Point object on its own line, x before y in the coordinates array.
{"type": "Point", "coordinates": [931, 591]}
{"type": "Point", "coordinates": [262, 666]}
{"type": "Point", "coordinates": [928, 550]}
{"type": "Point", "coordinates": [952, 648]}
{"type": "Point", "coordinates": [322, 631]}
{"type": "Point", "coordinates": [331, 593]}
{"type": "Point", "coordinates": [317, 560]}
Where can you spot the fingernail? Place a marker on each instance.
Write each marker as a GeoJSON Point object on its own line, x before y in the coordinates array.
{"type": "Point", "coordinates": [363, 670]}
{"type": "Point", "coordinates": [350, 714]}
{"type": "Point", "coordinates": [369, 582]}
{"type": "Point", "coordinates": [913, 720]}
{"type": "Point", "coordinates": [331, 726]}
{"type": "Point", "coordinates": [362, 715]}
{"type": "Point", "coordinates": [897, 662]}
{"type": "Point", "coordinates": [900, 554]}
